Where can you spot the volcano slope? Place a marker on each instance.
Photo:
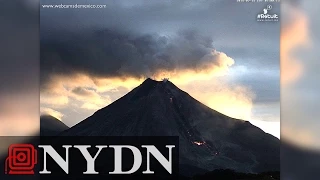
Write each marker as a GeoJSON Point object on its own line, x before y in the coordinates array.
{"type": "Point", "coordinates": [208, 140]}
{"type": "Point", "coordinates": [50, 126]}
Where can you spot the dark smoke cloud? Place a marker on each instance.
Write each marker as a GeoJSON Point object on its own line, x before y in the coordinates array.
{"type": "Point", "coordinates": [107, 53]}
{"type": "Point", "coordinates": [137, 52]}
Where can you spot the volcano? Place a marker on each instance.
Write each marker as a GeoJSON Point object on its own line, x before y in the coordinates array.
{"type": "Point", "coordinates": [208, 140]}
{"type": "Point", "coordinates": [50, 126]}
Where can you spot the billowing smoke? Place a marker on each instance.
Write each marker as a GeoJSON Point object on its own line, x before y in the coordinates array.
{"type": "Point", "coordinates": [89, 68]}
{"type": "Point", "coordinates": [96, 58]}
{"type": "Point", "coordinates": [111, 54]}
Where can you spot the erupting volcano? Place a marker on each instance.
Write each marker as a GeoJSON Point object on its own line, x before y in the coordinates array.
{"type": "Point", "coordinates": [208, 140]}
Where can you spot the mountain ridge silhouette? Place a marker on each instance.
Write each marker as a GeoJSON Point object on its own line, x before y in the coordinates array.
{"type": "Point", "coordinates": [208, 139]}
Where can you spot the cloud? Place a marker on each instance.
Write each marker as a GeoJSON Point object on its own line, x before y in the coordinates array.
{"type": "Point", "coordinates": [113, 54]}
{"type": "Point", "coordinates": [52, 112]}
{"type": "Point", "coordinates": [90, 106]}
{"type": "Point", "coordinates": [106, 61]}
{"type": "Point", "coordinates": [81, 91]}
{"type": "Point", "coordinates": [77, 90]}
{"type": "Point", "coordinates": [54, 100]}
{"type": "Point", "coordinates": [233, 100]}
{"type": "Point", "coordinates": [207, 71]}
{"type": "Point", "coordinates": [94, 61]}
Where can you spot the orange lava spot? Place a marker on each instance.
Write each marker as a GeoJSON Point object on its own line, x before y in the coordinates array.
{"type": "Point", "coordinates": [199, 143]}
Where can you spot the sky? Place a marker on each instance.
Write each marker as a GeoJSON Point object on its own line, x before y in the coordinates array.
{"type": "Point", "coordinates": [215, 50]}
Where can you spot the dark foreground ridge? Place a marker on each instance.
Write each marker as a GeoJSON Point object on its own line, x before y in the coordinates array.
{"type": "Point", "coordinates": [50, 126]}
{"type": "Point", "coordinates": [208, 140]}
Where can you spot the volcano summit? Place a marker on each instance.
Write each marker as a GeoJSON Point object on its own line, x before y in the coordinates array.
{"type": "Point", "coordinates": [208, 140]}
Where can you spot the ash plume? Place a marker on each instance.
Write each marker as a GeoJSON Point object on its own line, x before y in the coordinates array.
{"type": "Point", "coordinates": [107, 53]}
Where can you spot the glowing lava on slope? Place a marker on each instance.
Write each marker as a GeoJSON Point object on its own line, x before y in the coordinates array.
{"type": "Point", "coordinates": [199, 143]}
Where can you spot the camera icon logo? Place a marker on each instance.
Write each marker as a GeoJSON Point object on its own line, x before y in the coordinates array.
{"type": "Point", "coordinates": [21, 159]}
